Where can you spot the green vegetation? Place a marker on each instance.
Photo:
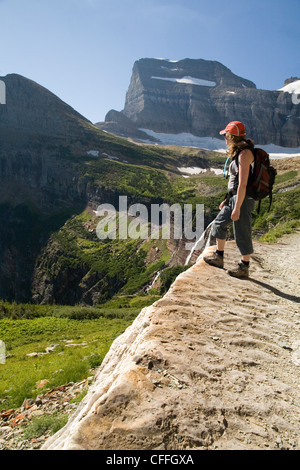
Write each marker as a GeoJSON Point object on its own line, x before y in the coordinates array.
{"type": "Point", "coordinates": [22, 374]}
{"type": "Point", "coordinates": [287, 176]}
{"type": "Point", "coordinates": [111, 273]}
{"type": "Point", "coordinates": [127, 179]}
{"type": "Point", "coordinates": [76, 258]}
{"type": "Point", "coordinates": [284, 216]}
{"type": "Point", "coordinates": [79, 338]}
{"type": "Point", "coordinates": [115, 265]}
{"type": "Point", "coordinates": [41, 424]}
{"type": "Point", "coordinates": [169, 275]}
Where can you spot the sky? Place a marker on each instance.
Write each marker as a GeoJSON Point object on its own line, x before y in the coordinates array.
{"type": "Point", "coordinates": [83, 51]}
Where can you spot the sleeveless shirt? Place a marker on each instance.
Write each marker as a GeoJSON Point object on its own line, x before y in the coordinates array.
{"type": "Point", "coordinates": [233, 174]}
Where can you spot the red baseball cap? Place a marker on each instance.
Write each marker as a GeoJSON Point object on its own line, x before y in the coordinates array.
{"type": "Point", "coordinates": [235, 128]}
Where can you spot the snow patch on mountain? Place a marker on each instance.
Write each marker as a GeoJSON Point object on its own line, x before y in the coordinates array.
{"type": "Point", "coordinates": [167, 60]}
{"type": "Point", "coordinates": [188, 80]}
{"type": "Point", "coordinates": [185, 139]}
{"type": "Point", "coordinates": [293, 87]}
{"type": "Point", "coordinates": [194, 170]}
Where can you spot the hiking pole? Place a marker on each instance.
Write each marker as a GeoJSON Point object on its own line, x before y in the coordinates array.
{"type": "Point", "coordinates": [205, 238]}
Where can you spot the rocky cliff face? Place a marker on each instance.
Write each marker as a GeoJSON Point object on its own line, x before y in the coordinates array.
{"type": "Point", "coordinates": [200, 97]}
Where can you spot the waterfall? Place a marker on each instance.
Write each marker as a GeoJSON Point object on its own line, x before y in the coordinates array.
{"type": "Point", "coordinates": [153, 282]}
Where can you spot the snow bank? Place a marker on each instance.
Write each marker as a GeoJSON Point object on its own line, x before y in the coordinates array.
{"type": "Point", "coordinates": [167, 60]}
{"type": "Point", "coordinates": [188, 80]}
{"type": "Point", "coordinates": [277, 152]}
{"type": "Point", "coordinates": [186, 139]}
{"type": "Point", "coordinates": [111, 157]}
{"type": "Point", "coordinates": [293, 87]}
{"type": "Point", "coordinates": [194, 170]}
{"type": "Point", "coordinates": [95, 153]}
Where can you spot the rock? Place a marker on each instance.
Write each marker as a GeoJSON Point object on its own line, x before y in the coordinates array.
{"type": "Point", "coordinates": [27, 403]}
{"type": "Point", "coordinates": [18, 419]}
{"type": "Point", "coordinates": [284, 345]}
{"type": "Point", "coordinates": [291, 80]}
{"type": "Point", "coordinates": [13, 422]}
{"type": "Point", "coordinates": [119, 124]}
{"type": "Point", "coordinates": [152, 387]}
{"type": "Point", "coordinates": [6, 414]}
{"type": "Point", "coordinates": [296, 352]}
{"type": "Point", "coordinates": [42, 383]}
{"type": "Point", "coordinates": [51, 348]}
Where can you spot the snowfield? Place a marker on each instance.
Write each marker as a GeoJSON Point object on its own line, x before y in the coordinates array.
{"type": "Point", "coordinates": [185, 139]}
{"type": "Point", "coordinates": [194, 170]}
{"type": "Point", "coordinates": [188, 80]}
{"type": "Point", "coordinates": [293, 87]}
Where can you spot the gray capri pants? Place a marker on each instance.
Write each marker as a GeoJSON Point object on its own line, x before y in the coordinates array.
{"type": "Point", "coordinates": [242, 228]}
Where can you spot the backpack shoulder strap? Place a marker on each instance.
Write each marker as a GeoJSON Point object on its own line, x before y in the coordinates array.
{"type": "Point", "coordinates": [249, 147]}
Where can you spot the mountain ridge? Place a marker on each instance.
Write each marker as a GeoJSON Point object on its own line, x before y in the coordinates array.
{"type": "Point", "coordinates": [168, 97]}
{"type": "Point", "coordinates": [30, 107]}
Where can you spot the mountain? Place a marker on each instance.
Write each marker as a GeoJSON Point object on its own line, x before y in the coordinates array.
{"type": "Point", "coordinates": [56, 168]}
{"type": "Point", "coordinates": [200, 97]}
{"type": "Point", "coordinates": [196, 370]}
{"type": "Point", "coordinates": [32, 108]}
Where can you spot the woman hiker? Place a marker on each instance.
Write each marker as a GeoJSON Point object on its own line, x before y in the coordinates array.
{"type": "Point", "coordinates": [238, 206]}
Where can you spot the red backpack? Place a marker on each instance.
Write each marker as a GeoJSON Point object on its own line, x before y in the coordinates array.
{"type": "Point", "coordinates": [262, 177]}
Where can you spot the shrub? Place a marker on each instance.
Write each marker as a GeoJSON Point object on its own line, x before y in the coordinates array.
{"type": "Point", "coordinates": [47, 423]}
{"type": "Point", "coordinates": [169, 275]}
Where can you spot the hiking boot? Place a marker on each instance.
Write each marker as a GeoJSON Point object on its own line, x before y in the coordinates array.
{"type": "Point", "coordinates": [242, 271]}
{"type": "Point", "coordinates": [214, 260]}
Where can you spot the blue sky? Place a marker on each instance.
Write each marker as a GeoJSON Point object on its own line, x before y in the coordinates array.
{"type": "Point", "coordinates": [84, 50]}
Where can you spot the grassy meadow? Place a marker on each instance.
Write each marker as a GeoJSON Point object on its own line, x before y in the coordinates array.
{"type": "Point", "coordinates": [78, 337]}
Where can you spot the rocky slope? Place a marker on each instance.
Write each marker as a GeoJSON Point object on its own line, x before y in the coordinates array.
{"type": "Point", "coordinates": [200, 97]}
{"type": "Point", "coordinates": [32, 108]}
{"type": "Point", "coordinates": [212, 365]}
{"type": "Point", "coordinates": [14, 423]}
